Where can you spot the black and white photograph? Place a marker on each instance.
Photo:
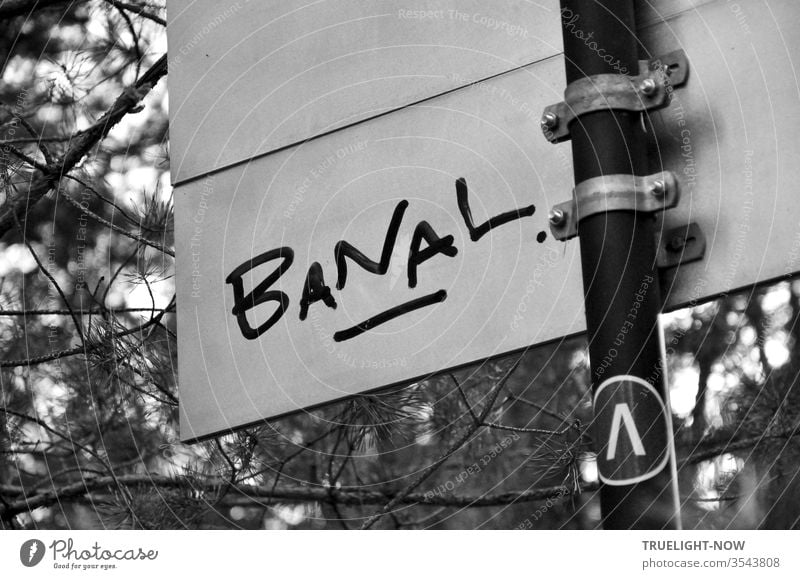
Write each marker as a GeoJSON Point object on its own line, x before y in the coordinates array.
{"type": "Point", "coordinates": [286, 273]}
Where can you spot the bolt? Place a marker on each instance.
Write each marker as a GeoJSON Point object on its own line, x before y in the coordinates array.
{"type": "Point", "coordinates": [676, 243]}
{"type": "Point", "coordinates": [648, 86]}
{"type": "Point", "coordinates": [658, 188]}
{"type": "Point", "coordinates": [556, 217]}
{"type": "Point", "coordinates": [549, 121]}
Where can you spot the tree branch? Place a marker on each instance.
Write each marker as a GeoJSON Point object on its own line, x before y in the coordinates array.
{"type": "Point", "coordinates": [90, 347]}
{"type": "Point", "coordinates": [65, 437]}
{"type": "Point", "coordinates": [715, 448]}
{"type": "Point", "coordinates": [42, 181]}
{"type": "Point", "coordinates": [118, 229]}
{"type": "Point", "coordinates": [89, 312]}
{"type": "Point", "coordinates": [137, 10]}
{"type": "Point", "coordinates": [247, 494]}
{"type": "Point", "coordinates": [242, 494]}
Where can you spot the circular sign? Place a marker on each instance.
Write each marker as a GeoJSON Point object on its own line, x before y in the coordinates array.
{"type": "Point", "coordinates": [630, 421]}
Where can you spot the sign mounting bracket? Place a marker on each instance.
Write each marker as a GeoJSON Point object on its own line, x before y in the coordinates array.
{"type": "Point", "coordinates": [680, 245]}
{"type": "Point", "coordinates": [647, 194]}
{"type": "Point", "coordinates": [650, 90]}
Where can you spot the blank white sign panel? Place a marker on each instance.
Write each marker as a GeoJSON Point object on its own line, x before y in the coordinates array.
{"type": "Point", "coordinates": [295, 69]}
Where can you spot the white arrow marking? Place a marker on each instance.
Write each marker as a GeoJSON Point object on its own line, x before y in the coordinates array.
{"type": "Point", "coordinates": [623, 413]}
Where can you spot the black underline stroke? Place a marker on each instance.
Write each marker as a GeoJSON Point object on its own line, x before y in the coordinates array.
{"type": "Point", "coordinates": [390, 314]}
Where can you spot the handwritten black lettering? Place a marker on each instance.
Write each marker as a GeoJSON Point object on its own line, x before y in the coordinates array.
{"type": "Point", "coordinates": [390, 314]}
{"type": "Point", "coordinates": [343, 249]}
{"type": "Point", "coordinates": [435, 243]}
{"type": "Point", "coordinates": [259, 295]}
{"type": "Point", "coordinates": [315, 290]}
{"type": "Point", "coordinates": [475, 233]}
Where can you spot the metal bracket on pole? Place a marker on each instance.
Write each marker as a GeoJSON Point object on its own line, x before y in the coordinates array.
{"type": "Point", "coordinates": [648, 194]}
{"type": "Point", "coordinates": [650, 90]}
{"type": "Point", "coordinates": [680, 245]}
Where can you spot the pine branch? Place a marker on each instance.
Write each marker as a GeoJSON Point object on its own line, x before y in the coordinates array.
{"type": "Point", "coordinates": [247, 494]}
{"type": "Point", "coordinates": [43, 181]}
{"type": "Point", "coordinates": [241, 494]}
{"type": "Point", "coordinates": [89, 348]}
{"type": "Point", "coordinates": [118, 208]}
{"type": "Point", "coordinates": [137, 238]}
{"type": "Point", "coordinates": [714, 448]}
{"type": "Point", "coordinates": [65, 437]}
{"type": "Point", "coordinates": [36, 360]}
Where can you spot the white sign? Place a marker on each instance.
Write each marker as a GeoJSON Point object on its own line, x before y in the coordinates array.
{"type": "Point", "coordinates": [416, 241]}
{"type": "Point", "coordinates": [378, 254]}
{"type": "Point", "coordinates": [249, 77]}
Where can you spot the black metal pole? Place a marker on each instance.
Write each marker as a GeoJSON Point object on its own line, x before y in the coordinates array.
{"type": "Point", "coordinates": [617, 248]}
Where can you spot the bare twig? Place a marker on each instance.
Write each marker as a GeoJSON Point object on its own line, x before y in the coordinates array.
{"type": "Point", "coordinates": [464, 399]}
{"type": "Point", "coordinates": [51, 279]}
{"type": "Point", "coordinates": [172, 402]}
{"type": "Point", "coordinates": [455, 447]}
{"type": "Point", "coordinates": [135, 36]}
{"type": "Point", "coordinates": [517, 398]}
{"type": "Point", "coordinates": [48, 157]}
{"type": "Point", "coordinates": [521, 429]}
{"type": "Point", "coordinates": [506, 427]}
